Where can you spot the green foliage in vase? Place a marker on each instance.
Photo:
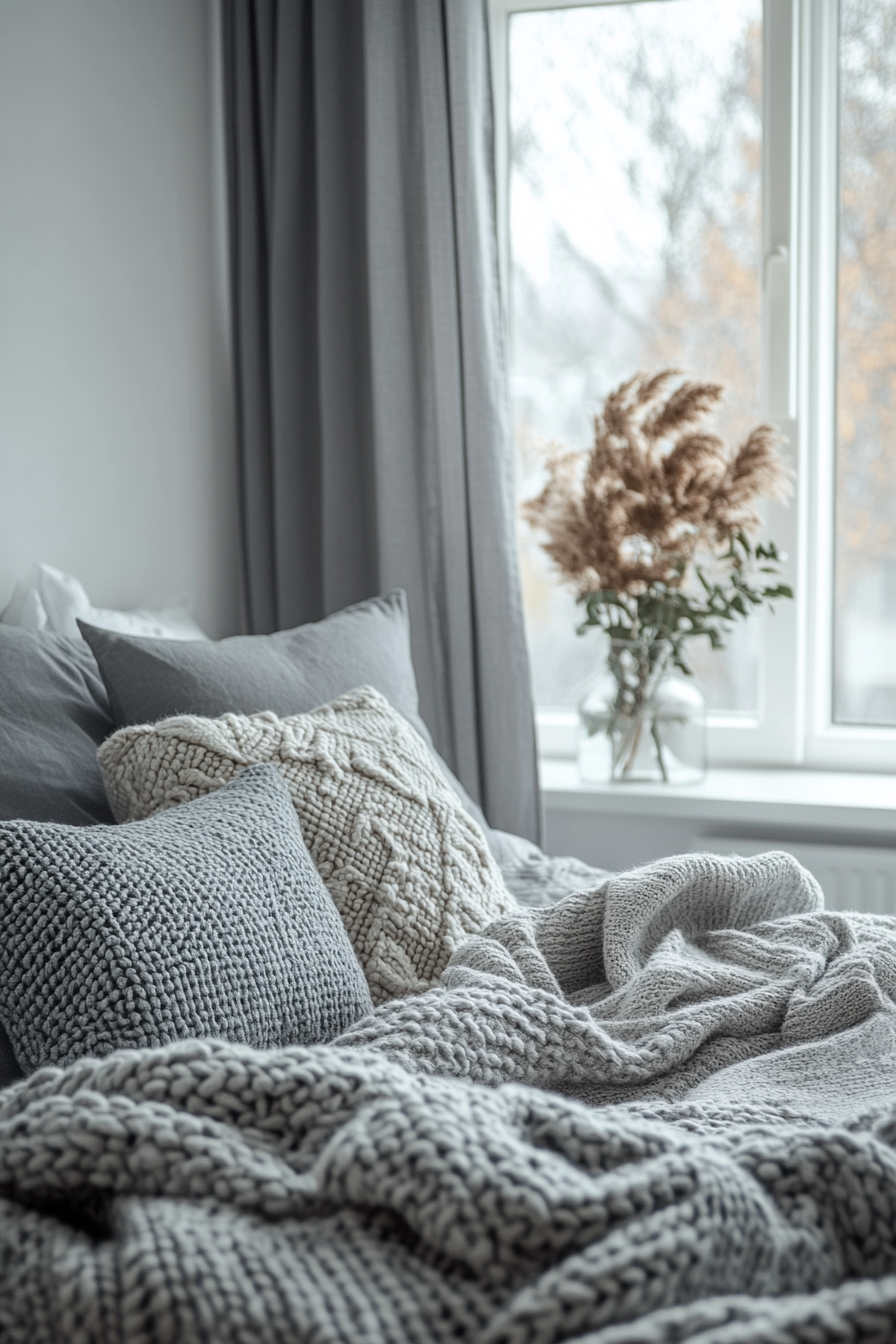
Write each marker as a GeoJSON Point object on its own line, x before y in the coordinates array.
{"type": "Point", "coordinates": [665, 613]}
{"type": "Point", "coordinates": [652, 525]}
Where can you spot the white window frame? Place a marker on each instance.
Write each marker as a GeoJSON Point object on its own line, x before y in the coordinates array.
{"type": "Point", "coordinates": [794, 725]}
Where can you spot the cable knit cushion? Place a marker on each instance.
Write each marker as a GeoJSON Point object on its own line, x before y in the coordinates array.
{"type": "Point", "coordinates": [210, 920]}
{"type": "Point", "coordinates": [410, 872]}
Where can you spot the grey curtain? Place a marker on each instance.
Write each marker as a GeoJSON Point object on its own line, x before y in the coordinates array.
{"type": "Point", "coordinates": [370, 365]}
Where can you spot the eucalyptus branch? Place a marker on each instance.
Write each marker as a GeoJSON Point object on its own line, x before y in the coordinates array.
{"type": "Point", "coordinates": [751, 578]}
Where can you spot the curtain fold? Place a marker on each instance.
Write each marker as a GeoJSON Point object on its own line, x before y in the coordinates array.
{"type": "Point", "coordinates": [369, 357]}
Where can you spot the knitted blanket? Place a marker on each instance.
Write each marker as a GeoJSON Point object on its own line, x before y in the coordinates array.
{"type": "Point", "coordinates": [699, 976]}
{"type": "Point", "coordinates": [375, 1191]}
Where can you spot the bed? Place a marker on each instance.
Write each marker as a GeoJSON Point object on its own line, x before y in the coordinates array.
{"type": "Point", "coordinates": [295, 1047]}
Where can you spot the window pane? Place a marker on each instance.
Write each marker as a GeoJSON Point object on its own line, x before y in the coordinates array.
{"type": "Point", "coordinates": [635, 238]}
{"type": "Point", "coordinates": [865, 573]}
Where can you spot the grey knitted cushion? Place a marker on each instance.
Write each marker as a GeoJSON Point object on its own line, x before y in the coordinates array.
{"type": "Point", "coordinates": [207, 920]}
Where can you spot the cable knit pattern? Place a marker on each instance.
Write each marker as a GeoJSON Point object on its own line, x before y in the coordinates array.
{"type": "Point", "coordinates": [409, 871]}
{"type": "Point", "coordinates": [205, 1192]}
{"type": "Point", "coordinates": [207, 921]}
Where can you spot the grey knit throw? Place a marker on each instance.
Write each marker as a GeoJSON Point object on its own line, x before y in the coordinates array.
{"type": "Point", "coordinates": [698, 972]}
{"type": "Point", "coordinates": [204, 1191]}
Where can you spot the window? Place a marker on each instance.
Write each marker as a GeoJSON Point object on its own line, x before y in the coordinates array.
{"type": "Point", "coordinates": [711, 184]}
{"type": "Point", "coordinates": [864, 680]}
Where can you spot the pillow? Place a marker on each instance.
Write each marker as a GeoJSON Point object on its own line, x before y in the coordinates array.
{"type": "Point", "coordinates": [210, 920]}
{"type": "Point", "coordinates": [53, 715]}
{"type": "Point", "coordinates": [410, 872]}
{"type": "Point", "coordinates": [48, 599]}
{"type": "Point", "coordinates": [289, 672]}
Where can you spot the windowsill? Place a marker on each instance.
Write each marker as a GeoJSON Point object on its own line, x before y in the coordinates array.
{"type": "Point", "coordinates": [811, 799]}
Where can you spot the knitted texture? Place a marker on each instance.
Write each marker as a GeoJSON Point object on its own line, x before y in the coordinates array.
{"type": "Point", "coordinates": [207, 921]}
{"type": "Point", "coordinates": [410, 873]}
{"type": "Point", "coordinates": [534, 878]}
{"type": "Point", "coordinates": [698, 972]}
{"type": "Point", "coordinates": [209, 1192]}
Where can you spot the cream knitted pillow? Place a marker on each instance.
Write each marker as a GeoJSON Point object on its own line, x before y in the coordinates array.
{"type": "Point", "coordinates": [410, 872]}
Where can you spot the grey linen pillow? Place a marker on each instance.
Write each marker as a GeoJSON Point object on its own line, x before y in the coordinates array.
{"type": "Point", "coordinates": [207, 920]}
{"type": "Point", "coordinates": [289, 672]}
{"type": "Point", "coordinates": [54, 713]}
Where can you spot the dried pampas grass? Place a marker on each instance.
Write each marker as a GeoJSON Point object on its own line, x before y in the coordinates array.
{"type": "Point", "coordinates": [655, 489]}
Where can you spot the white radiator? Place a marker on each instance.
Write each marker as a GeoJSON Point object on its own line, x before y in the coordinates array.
{"type": "Point", "coordinates": [852, 877]}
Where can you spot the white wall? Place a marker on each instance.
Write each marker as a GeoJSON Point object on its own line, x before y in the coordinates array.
{"type": "Point", "coordinates": [116, 434]}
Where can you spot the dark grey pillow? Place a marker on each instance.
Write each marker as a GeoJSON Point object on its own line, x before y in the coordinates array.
{"type": "Point", "coordinates": [54, 713]}
{"type": "Point", "coordinates": [208, 919]}
{"type": "Point", "coordinates": [290, 672]}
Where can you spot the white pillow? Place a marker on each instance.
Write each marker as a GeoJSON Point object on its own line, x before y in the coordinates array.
{"type": "Point", "coordinates": [48, 599]}
{"type": "Point", "coordinates": [409, 871]}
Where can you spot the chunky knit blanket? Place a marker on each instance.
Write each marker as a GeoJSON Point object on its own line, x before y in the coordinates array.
{"type": "Point", "coordinates": [740, 1187]}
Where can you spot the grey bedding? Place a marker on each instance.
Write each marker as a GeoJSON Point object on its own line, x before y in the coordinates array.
{"type": "Point", "coordinates": [533, 877]}
{"type": "Point", "coordinates": [698, 977]}
{"type": "Point", "coordinates": [409, 1183]}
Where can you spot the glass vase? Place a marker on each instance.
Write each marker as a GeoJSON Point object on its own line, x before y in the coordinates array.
{"type": "Point", "coordinates": [640, 721]}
